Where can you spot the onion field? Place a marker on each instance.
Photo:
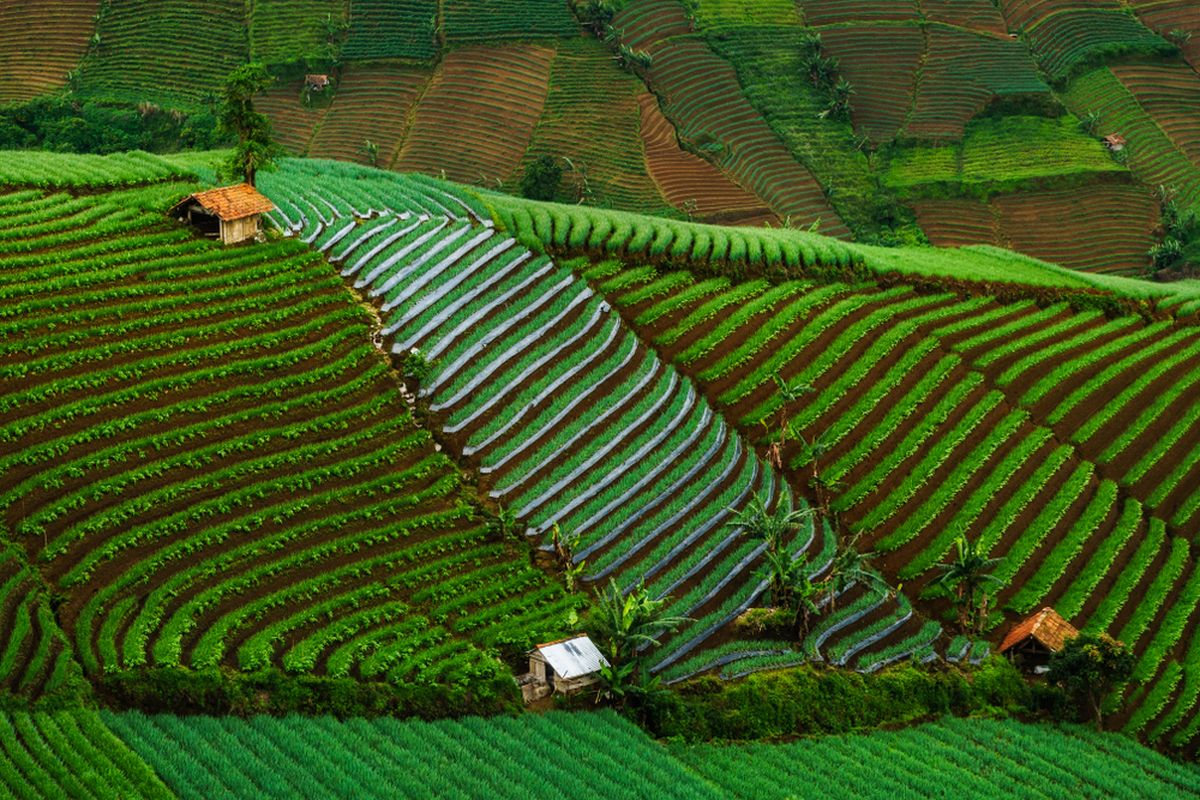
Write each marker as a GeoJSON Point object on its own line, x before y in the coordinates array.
{"type": "Point", "coordinates": [209, 462]}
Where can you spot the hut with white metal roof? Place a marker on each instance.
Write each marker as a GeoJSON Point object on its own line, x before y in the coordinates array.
{"type": "Point", "coordinates": [566, 666]}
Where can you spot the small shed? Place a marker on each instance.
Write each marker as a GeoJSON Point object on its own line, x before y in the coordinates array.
{"type": "Point", "coordinates": [316, 83]}
{"type": "Point", "coordinates": [1115, 142]}
{"type": "Point", "coordinates": [1031, 642]}
{"type": "Point", "coordinates": [566, 666]}
{"type": "Point", "coordinates": [231, 213]}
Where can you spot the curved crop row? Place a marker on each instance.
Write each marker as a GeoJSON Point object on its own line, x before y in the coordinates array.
{"type": "Point", "coordinates": [211, 464]}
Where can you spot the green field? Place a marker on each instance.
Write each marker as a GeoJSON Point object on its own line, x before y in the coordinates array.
{"type": "Point", "coordinates": [766, 316]}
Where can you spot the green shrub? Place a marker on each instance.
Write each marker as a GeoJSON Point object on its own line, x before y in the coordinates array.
{"type": "Point", "coordinates": [812, 700]}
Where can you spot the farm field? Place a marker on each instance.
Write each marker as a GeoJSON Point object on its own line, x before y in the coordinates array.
{"type": "Point", "coordinates": [1122, 218]}
{"type": "Point", "coordinates": [571, 422]}
{"type": "Point", "coordinates": [1030, 426]}
{"type": "Point", "coordinates": [266, 498]}
{"type": "Point", "coordinates": [40, 43]}
{"type": "Point", "coordinates": [160, 756]}
{"type": "Point", "coordinates": [774, 318]}
{"type": "Point", "coordinates": [723, 122]}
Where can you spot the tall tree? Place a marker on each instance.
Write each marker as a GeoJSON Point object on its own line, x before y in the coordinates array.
{"type": "Point", "coordinates": [774, 528]}
{"type": "Point", "coordinates": [255, 150]}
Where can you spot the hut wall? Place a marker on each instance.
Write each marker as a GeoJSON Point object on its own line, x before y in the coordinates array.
{"type": "Point", "coordinates": [239, 230]}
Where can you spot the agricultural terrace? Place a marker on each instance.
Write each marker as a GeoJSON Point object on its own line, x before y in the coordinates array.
{"type": "Point", "coordinates": [208, 462]}
{"type": "Point", "coordinates": [1154, 157]}
{"type": "Point", "coordinates": [572, 423]}
{"type": "Point", "coordinates": [370, 114]}
{"type": "Point", "coordinates": [40, 43]}
{"type": "Point", "coordinates": [162, 51]}
{"type": "Point", "coordinates": [688, 181]}
{"type": "Point", "coordinates": [388, 29]}
{"type": "Point", "coordinates": [590, 127]}
{"type": "Point", "coordinates": [1120, 218]}
{"type": "Point", "coordinates": [701, 96]}
{"type": "Point", "coordinates": [1169, 18]}
{"type": "Point", "coordinates": [487, 100]}
{"type": "Point", "coordinates": [986, 189]}
{"type": "Point", "coordinates": [978, 758]}
{"type": "Point", "coordinates": [287, 31]}
{"type": "Point", "coordinates": [1067, 36]}
{"type": "Point", "coordinates": [1066, 443]}
{"type": "Point", "coordinates": [768, 56]}
{"type": "Point", "coordinates": [578, 230]}
{"type": "Point", "coordinates": [924, 80]}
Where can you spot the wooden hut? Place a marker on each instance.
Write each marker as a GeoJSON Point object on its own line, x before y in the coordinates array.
{"type": "Point", "coordinates": [1031, 642]}
{"type": "Point", "coordinates": [231, 213]}
{"type": "Point", "coordinates": [565, 666]}
{"type": "Point", "coordinates": [1115, 142]}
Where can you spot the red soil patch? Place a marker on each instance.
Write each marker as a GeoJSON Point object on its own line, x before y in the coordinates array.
{"type": "Point", "coordinates": [40, 42]}
{"type": "Point", "coordinates": [478, 114]}
{"type": "Point", "coordinates": [688, 180]}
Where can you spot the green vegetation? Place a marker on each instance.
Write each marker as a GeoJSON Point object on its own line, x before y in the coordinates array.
{"type": "Point", "coordinates": [365, 558]}
{"type": "Point", "coordinates": [1000, 154]}
{"type": "Point", "coordinates": [981, 758]}
{"type": "Point", "coordinates": [71, 754]}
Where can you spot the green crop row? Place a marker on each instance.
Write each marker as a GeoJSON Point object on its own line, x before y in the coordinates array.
{"type": "Point", "coordinates": [1084, 584]}
{"type": "Point", "coordinates": [1067, 549]}
{"type": "Point", "coordinates": [70, 754]}
{"type": "Point", "coordinates": [1151, 601]}
{"type": "Point", "coordinates": [901, 410]}
{"type": "Point", "coordinates": [43, 169]}
{"type": "Point", "coordinates": [1048, 519]}
{"type": "Point", "coordinates": [968, 510]}
{"type": "Point", "coordinates": [1023, 497]}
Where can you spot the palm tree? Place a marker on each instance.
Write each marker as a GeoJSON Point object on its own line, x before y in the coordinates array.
{"type": "Point", "coordinates": [775, 529]}
{"type": "Point", "coordinates": [967, 577]}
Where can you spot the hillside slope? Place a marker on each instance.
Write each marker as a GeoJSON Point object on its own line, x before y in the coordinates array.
{"type": "Point", "coordinates": [1064, 439]}
{"type": "Point", "coordinates": [976, 123]}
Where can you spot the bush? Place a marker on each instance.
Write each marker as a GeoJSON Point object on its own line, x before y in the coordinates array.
{"type": "Point", "coordinates": [813, 700]}
{"type": "Point", "coordinates": [542, 179]}
{"type": "Point", "coordinates": [62, 125]}
{"type": "Point", "coordinates": [175, 690]}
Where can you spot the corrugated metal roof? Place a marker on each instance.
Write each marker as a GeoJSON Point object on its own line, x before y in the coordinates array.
{"type": "Point", "coordinates": [572, 658]}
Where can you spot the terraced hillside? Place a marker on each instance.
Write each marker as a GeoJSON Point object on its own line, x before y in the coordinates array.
{"type": "Point", "coordinates": [1033, 430]}
{"type": "Point", "coordinates": [713, 110]}
{"type": "Point", "coordinates": [40, 43]}
{"type": "Point", "coordinates": [571, 422]}
{"type": "Point", "coordinates": [210, 465]}
{"type": "Point", "coordinates": [1064, 440]}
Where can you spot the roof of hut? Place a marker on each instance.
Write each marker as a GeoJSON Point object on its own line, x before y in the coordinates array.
{"type": "Point", "coordinates": [574, 657]}
{"type": "Point", "coordinates": [1046, 626]}
{"type": "Point", "coordinates": [232, 202]}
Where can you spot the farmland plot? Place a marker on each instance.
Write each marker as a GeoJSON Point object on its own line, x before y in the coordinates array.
{"type": "Point", "coordinates": [206, 458]}
{"type": "Point", "coordinates": [572, 423]}
{"type": "Point", "coordinates": [71, 754]}
{"type": "Point", "coordinates": [938, 415]}
{"type": "Point", "coordinates": [40, 43]}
